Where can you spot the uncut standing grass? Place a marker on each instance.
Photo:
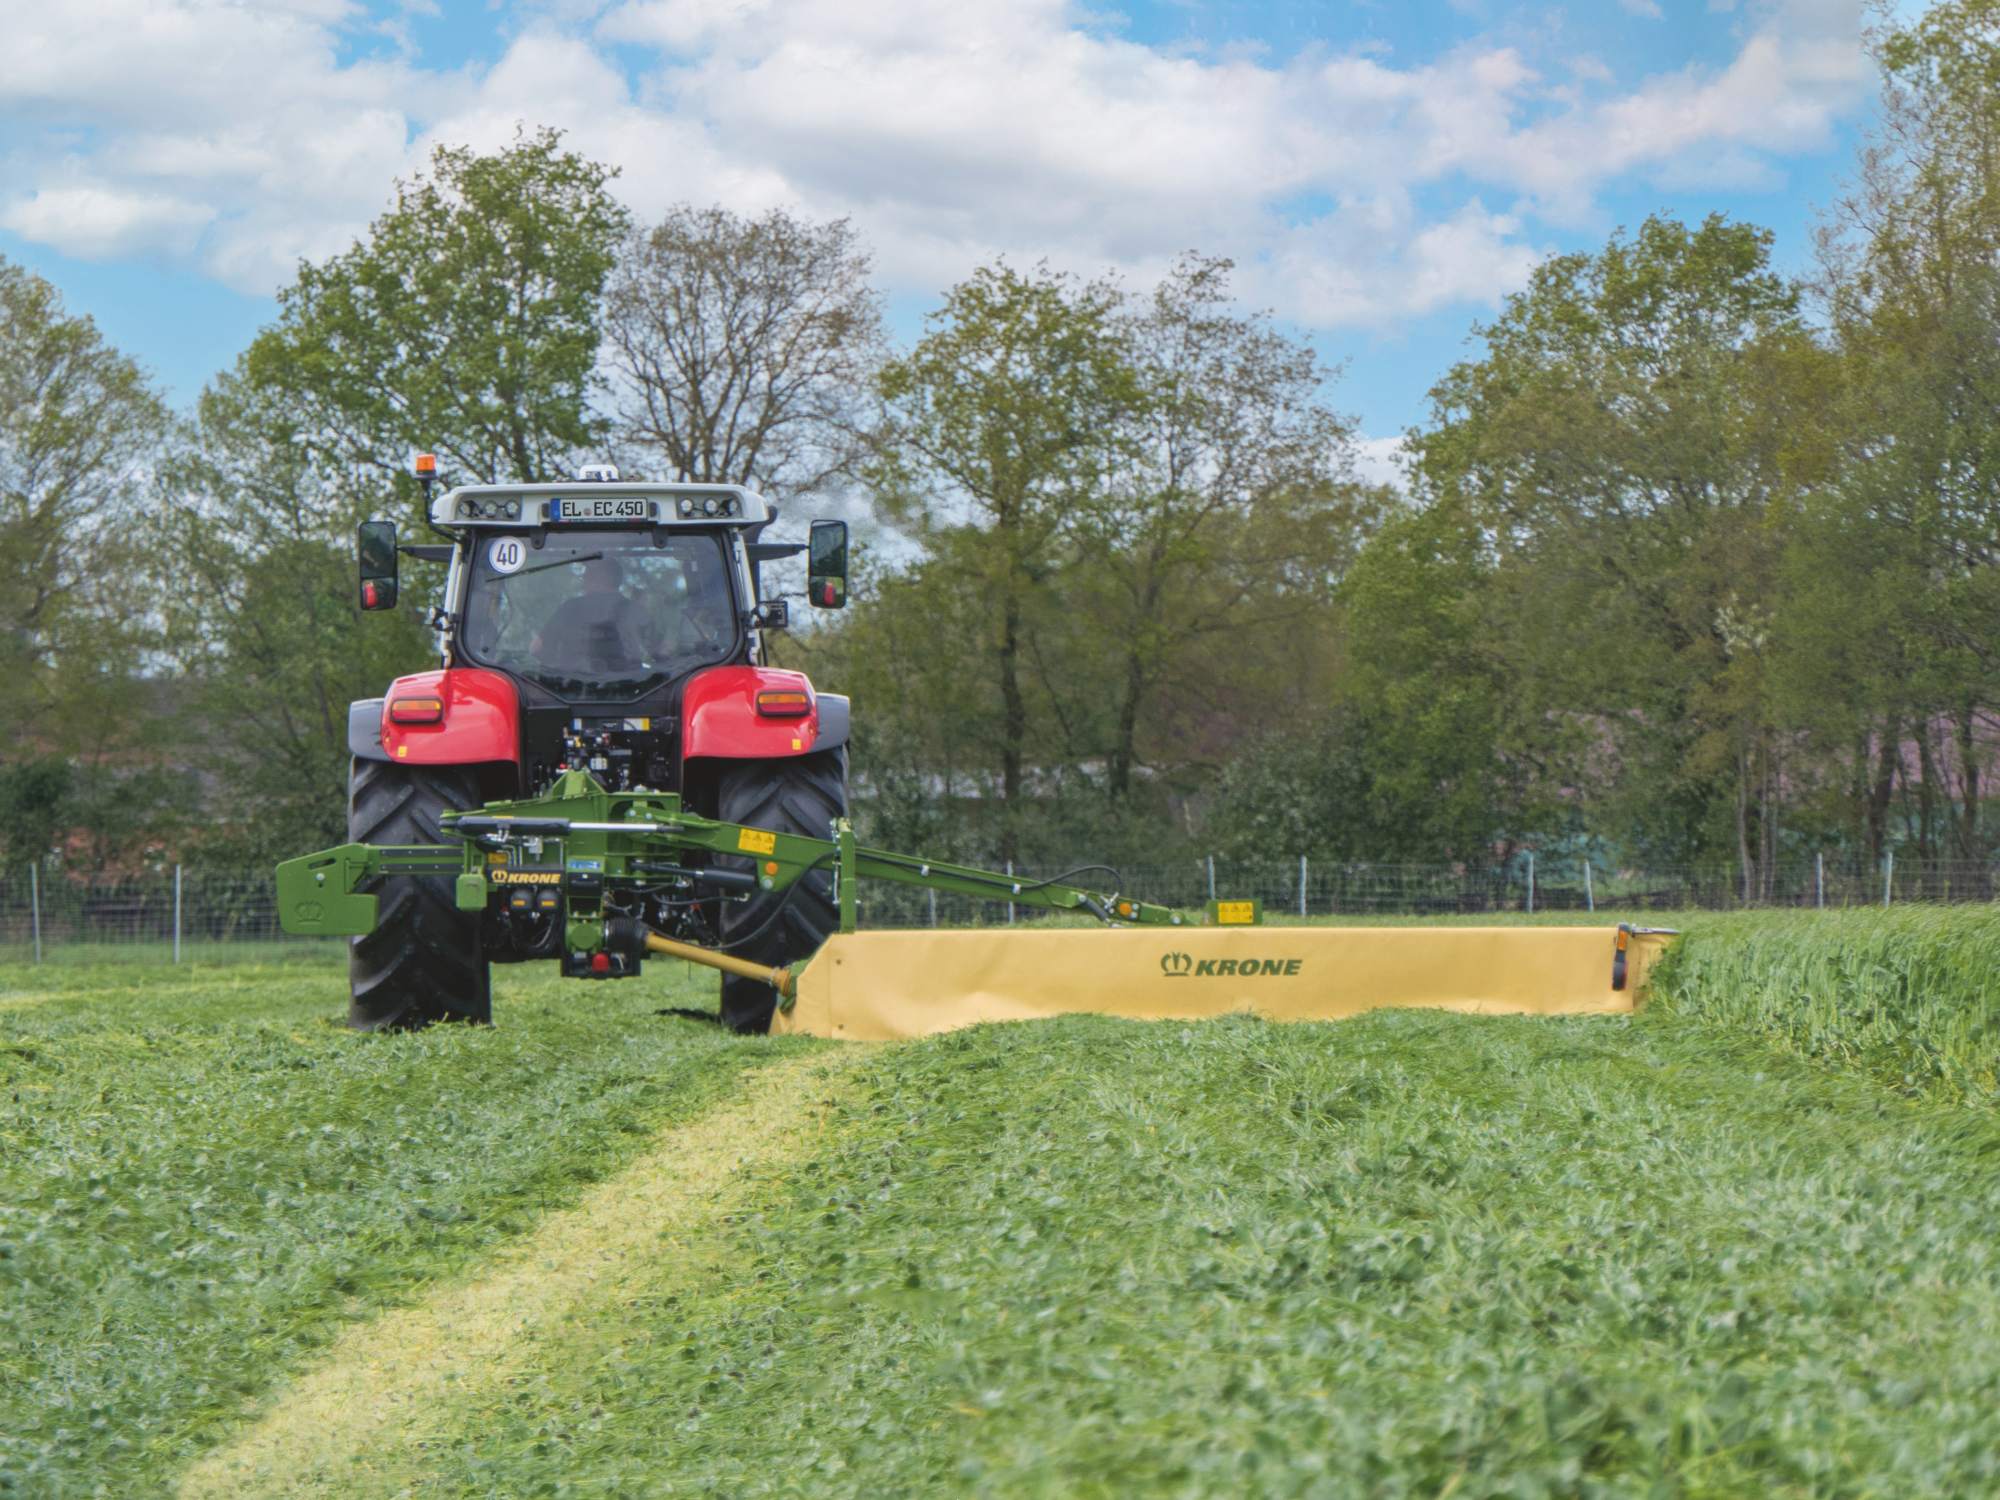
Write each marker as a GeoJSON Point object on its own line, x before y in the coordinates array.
{"type": "Point", "coordinates": [1912, 995]}
{"type": "Point", "coordinates": [202, 1174]}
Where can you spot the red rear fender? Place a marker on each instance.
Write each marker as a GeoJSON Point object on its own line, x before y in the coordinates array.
{"type": "Point", "coordinates": [719, 715]}
{"type": "Point", "coordinates": [481, 720]}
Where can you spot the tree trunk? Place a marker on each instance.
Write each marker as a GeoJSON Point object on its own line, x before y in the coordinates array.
{"type": "Point", "coordinates": [1887, 756]}
{"type": "Point", "coordinates": [1971, 846]}
{"type": "Point", "coordinates": [1768, 826]}
{"type": "Point", "coordinates": [1123, 752]}
{"type": "Point", "coordinates": [1013, 721]}
{"type": "Point", "coordinates": [1926, 793]}
{"type": "Point", "coordinates": [1743, 822]}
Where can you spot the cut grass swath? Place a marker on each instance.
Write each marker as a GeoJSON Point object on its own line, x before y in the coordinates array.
{"type": "Point", "coordinates": [199, 1186]}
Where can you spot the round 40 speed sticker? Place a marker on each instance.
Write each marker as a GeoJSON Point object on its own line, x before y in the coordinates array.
{"type": "Point", "coordinates": [506, 554]}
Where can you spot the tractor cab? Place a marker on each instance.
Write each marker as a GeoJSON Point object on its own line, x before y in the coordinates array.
{"type": "Point", "coordinates": [603, 626]}
{"type": "Point", "coordinates": [598, 606]}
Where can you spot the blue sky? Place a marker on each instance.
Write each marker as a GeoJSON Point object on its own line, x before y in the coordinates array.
{"type": "Point", "coordinates": [1382, 172]}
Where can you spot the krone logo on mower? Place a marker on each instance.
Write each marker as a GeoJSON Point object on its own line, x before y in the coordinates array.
{"type": "Point", "coordinates": [1182, 966]}
{"type": "Point", "coordinates": [503, 875]}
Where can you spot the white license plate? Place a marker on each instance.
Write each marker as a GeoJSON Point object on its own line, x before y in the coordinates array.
{"type": "Point", "coordinates": [600, 508]}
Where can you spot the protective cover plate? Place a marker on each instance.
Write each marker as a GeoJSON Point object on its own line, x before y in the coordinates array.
{"type": "Point", "coordinates": [877, 986]}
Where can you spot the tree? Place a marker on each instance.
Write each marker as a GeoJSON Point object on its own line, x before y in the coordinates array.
{"type": "Point", "coordinates": [1894, 580]}
{"type": "Point", "coordinates": [744, 349]}
{"type": "Point", "coordinates": [1234, 510]}
{"type": "Point", "coordinates": [79, 429]}
{"type": "Point", "coordinates": [1005, 419]}
{"type": "Point", "coordinates": [254, 544]}
{"type": "Point", "coordinates": [466, 321]}
{"type": "Point", "coordinates": [1615, 445]}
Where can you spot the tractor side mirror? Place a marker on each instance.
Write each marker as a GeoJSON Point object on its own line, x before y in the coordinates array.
{"type": "Point", "coordinates": [375, 543]}
{"type": "Point", "coordinates": [826, 565]}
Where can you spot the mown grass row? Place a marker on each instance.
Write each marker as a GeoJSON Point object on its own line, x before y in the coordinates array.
{"type": "Point", "coordinates": [203, 1174]}
{"type": "Point", "coordinates": [1408, 1254]}
{"type": "Point", "coordinates": [1909, 995]}
{"type": "Point", "coordinates": [1411, 1254]}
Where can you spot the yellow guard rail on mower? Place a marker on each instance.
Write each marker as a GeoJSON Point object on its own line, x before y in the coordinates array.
{"type": "Point", "coordinates": [877, 986]}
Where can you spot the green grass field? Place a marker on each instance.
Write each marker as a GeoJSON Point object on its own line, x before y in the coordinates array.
{"type": "Point", "coordinates": [1740, 1244]}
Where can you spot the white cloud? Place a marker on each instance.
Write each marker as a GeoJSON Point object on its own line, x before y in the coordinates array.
{"type": "Point", "coordinates": [1645, 9]}
{"type": "Point", "coordinates": [1351, 189]}
{"type": "Point", "coordinates": [1381, 460]}
{"type": "Point", "coordinates": [102, 222]}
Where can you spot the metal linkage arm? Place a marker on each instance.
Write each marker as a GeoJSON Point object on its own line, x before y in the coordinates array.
{"type": "Point", "coordinates": [319, 894]}
{"type": "Point", "coordinates": [966, 880]}
{"type": "Point", "coordinates": [584, 837]}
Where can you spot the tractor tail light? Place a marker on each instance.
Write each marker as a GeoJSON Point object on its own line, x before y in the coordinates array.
{"type": "Point", "coordinates": [783, 703]}
{"type": "Point", "coordinates": [416, 710]}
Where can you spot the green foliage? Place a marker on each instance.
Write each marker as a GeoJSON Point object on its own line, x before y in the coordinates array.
{"type": "Point", "coordinates": [79, 423]}
{"type": "Point", "coordinates": [1135, 511]}
{"type": "Point", "coordinates": [1004, 419]}
{"type": "Point", "coordinates": [255, 548]}
{"type": "Point", "coordinates": [35, 806]}
{"type": "Point", "coordinates": [1616, 451]}
{"type": "Point", "coordinates": [467, 321]}
{"type": "Point", "coordinates": [1894, 590]}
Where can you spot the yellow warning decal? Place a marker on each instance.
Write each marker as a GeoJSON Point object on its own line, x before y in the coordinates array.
{"type": "Point", "coordinates": [757, 841]}
{"type": "Point", "coordinates": [1235, 913]}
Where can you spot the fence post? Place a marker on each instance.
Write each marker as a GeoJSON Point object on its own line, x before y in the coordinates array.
{"type": "Point", "coordinates": [1010, 904]}
{"type": "Point", "coordinates": [933, 896]}
{"type": "Point", "coordinates": [1531, 882]}
{"type": "Point", "coordinates": [35, 904]}
{"type": "Point", "coordinates": [1888, 876]}
{"type": "Point", "coordinates": [1589, 891]}
{"type": "Point", "coordinates": [1302, 885]}
{"type": "Point", "coordinates": [1211, 877]}
{"type": "Point", "coordinates": [177, 913]}
{"type": "Point", "coordinates": [1819, 880]}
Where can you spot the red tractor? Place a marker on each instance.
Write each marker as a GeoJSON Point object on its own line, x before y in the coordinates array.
{"type": "Point", "coordinates": [612, 627]}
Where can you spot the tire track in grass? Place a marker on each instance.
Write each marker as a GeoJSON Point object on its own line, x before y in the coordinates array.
{"type": "Point", "coordinates": [385, 1385]}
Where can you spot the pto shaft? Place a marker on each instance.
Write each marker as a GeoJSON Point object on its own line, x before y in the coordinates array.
{"type": "Point", "coordinates": [778, 979]}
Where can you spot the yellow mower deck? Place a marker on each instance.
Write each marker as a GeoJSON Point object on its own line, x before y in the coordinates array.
{"type": "Point", "coordinates": [879, 986]}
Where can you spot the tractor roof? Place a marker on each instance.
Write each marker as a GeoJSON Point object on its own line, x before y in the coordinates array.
{"type": "Point", "coordinates": [584, 501]}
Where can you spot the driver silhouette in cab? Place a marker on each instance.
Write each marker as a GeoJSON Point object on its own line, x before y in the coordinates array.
{"type": "Point", "coordinates": [597, 630]}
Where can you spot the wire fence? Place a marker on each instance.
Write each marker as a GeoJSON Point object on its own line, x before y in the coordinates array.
{"type": "Point", "coordinates": [188, 913]}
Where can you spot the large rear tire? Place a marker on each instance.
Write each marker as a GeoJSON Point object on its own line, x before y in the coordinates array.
{"type": "Point", "coordinates": [422, 963]}
{"type": "Point", "coordinates": [800, 795]}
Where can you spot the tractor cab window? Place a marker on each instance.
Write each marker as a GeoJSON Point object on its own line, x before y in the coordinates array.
{"type": "Point", "coordinates": [599, 614]}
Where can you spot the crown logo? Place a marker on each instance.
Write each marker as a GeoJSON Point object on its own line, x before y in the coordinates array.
{"type": "Point", "coordinates": [1175, 965]}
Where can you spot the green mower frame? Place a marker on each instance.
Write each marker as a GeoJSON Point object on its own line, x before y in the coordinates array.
{"type": "Point", "coordinates": [565, 860]}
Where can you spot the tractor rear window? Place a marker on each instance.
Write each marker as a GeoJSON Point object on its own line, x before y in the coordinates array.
{"type": "Point", "coordinates": [599, 614]}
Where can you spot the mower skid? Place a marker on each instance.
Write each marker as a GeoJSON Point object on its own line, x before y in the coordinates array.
{"type": "Point", "coordinates": [879, 986]}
